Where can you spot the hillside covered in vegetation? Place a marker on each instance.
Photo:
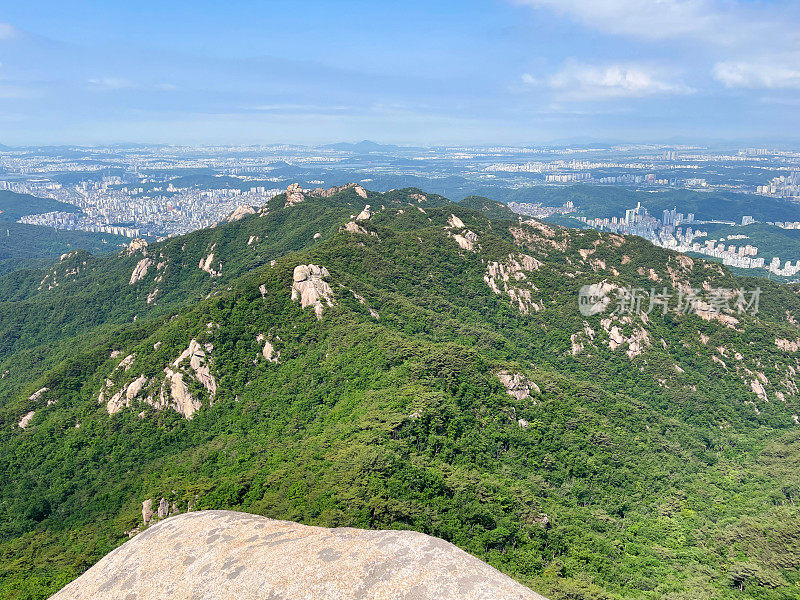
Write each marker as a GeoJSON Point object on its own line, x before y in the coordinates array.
{"type": "Point", "coordinates": [398, 361]}
{"type": "Point", "coordinates": [30, 246]}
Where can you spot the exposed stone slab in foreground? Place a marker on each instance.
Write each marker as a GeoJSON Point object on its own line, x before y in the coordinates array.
{"type": "Point", "coordinates": [223, 554]}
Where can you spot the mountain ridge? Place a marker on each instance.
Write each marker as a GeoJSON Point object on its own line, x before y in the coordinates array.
{"type": "Point", "coordinates": [451, 386]}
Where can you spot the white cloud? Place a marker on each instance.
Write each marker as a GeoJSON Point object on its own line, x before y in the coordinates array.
{"type": "Point", "coordinates": [577, 81]}
{"type": "Point", "coordinates": [297, 108]}
{"type": "Point", "coordinates": [753, 44]}
{"type": "Point", "coordinates": [112, 84]}
{"type": "Point", "coordinates": [708, 21]}
{"type": "Point", "coordinates": [109, 83]}
{"type": "Point", "coordinates": [770, 74]}
{"type": "Point", "coordinates": [636, 18]}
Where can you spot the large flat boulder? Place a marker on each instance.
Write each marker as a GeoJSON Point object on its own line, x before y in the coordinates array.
{"type": "Point", "coordinates": [220, 555]}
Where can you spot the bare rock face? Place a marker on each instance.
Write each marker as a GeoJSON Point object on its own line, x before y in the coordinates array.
{"type": "Point", "coordinates": [454, 221]}
{"type": "Point", "coordinates": [147, 511]}
{"type": "Point", "coordinates": [466, 241]}
{"type": "Point", "coordinates": [517, 385]}
{"type": "Point", "coordinates": [241, 212]}
{"type": "Point", "coordinates": [787, 345]}
{"type": "Point", "coordinates": [323, 193]}
{"type": "Point", "coordinates": [511, 275]}
{"type": "Point", "coordinates": [182, 401]}
{"type": "Point", "coordinates": [309, 286]}
{"type": "Point", "coordinates": [122, 399]}
{"type": "Point", "coordinates": [140, 270]}
{"type": "Point", "coordinates": [194, 363]}
{"type": "Point", "coordinates": [270, 353]}
{"type": "Point", "coordinates": [755, 385]}
{"type": "Point", "coordinates": [38, 394]}
{"type": "Point", "coordinates": [222, 554]}
{"type": "Point", "coordinates": [353, 227]}
{"type": "Point", "coordinates": [163, 508]}
{"type": "Point", "coordinates": [135, 246]}
{"type": "Point", "coordinates": [199, 364]}
{"type": "Point", "coordinates": [294, 195]}
{"type": "Point", "coordinates": [26, 419]}
{"type": "Point", "coordinates": [205, 265]}
{"type": "Point", "coordinates": [365, 214]}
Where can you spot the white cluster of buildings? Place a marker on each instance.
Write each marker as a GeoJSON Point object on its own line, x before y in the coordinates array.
{"type": "Point", "coordinates": [75, 221]}
{"type": "Point", "coordinates": [785, 224]}
{"type": "Point", "coordinates": [539, 211]}
{"type": "Point", "coordinates": [568, 177]}
{"type": "Point", "coordinates": [33, 187]}
{"type": "Point", "coordinates": [649, 179]}
{"type": "Point", "coordinates": [784, 186]}
{"type": "Point", "coordinates": [743, 257]}
{"type": "Point", "coordinates": [160, 211]}
{"type": "Point", "coordinates": [629, 179]}
{"type": "Point", "coordinates": [788, 269]}
{"type": "Point", "coordinates": [571, 165]}
{"type": "Point", "coordinates": [668, 232]}
{"type": "Point", "coordinates": [637, 221]}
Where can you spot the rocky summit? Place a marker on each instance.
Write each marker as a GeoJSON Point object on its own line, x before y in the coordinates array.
{"type": "Point", "coordinates": [225, 554]}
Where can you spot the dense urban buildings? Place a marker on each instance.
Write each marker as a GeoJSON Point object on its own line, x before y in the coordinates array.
{"type": "Point", "coordinates": [162, 191]}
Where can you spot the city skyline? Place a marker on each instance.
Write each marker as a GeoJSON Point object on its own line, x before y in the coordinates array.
{"type": "Point", "coordinates": [157, 192]}
{"type": "Point", "coordinates": [479, 71]}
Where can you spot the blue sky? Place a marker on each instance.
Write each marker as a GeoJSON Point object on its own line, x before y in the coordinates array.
{"type": "Point", "coordinates": [436, 71]}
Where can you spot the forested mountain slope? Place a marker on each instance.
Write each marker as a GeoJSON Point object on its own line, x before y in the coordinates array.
{"type": "Point", "coordinates": [30, 246]}
{"type": "Point", "coordinates": [415, 365]}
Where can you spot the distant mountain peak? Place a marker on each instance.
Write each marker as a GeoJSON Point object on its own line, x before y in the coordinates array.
{"type": "Point", "coordinates": [362, 147]}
